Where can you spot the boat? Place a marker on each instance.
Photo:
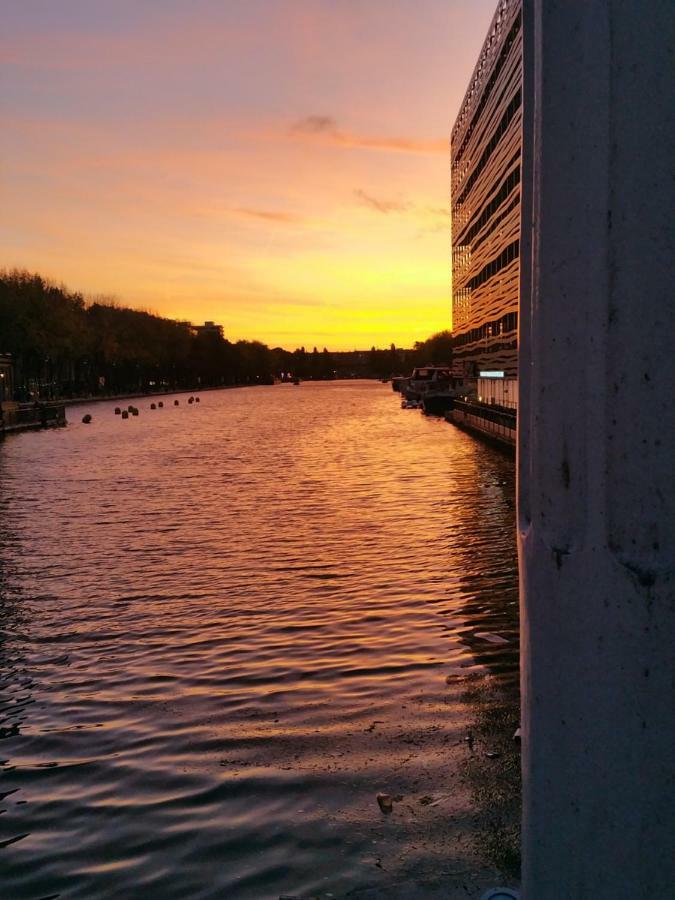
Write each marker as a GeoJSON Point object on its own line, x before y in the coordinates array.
{"type": "Point", "coordinates": [428, 378]}
{"type": "Point", "coordinates": [437, 403]}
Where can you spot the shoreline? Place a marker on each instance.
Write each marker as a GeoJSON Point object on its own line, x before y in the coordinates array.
{"type": "Point", "coordinates": [79, 401]}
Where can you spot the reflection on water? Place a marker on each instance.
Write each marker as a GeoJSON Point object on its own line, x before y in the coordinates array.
{"type": "Point", "coordinates": [227, 627]}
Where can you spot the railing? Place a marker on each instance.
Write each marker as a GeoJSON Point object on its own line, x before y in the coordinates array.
{"type": "Point", "coordinates": [32, 415]}
{"type": "Point", "coordinates": [495, 421]}
{"type": "Point", "coordinates": [501, 415]}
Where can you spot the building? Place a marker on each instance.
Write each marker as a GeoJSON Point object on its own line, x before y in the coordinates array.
{"type": "Point", "coordinates": [486, 150]}
{"type": "Point", "coordinates": [6, 378]}
{"type": "Point", "coordinates": [208, 328]}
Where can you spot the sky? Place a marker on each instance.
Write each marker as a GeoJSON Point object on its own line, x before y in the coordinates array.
{"type": "Point", "coordinates": [278, 166]}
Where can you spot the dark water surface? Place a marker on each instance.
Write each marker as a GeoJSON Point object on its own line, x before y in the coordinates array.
{"type": "Point", "coordinates": [224, 628]}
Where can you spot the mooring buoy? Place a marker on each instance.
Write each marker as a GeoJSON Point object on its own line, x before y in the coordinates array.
{"type": "Point", "coordinates": [117, 411]}
{"type": "Point", "coordinates": [125, 414]}
{"type": "Point", "coordinates": [86, 419]}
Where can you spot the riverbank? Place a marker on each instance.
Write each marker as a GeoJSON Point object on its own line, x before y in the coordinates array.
{"type": "Point", "coordinates": [17, 417]}
{"type": "Point", "coordinates": [79, 401]}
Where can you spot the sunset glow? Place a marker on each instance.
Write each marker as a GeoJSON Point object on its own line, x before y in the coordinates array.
{"type": "Point", "coordinates": [279, 166]}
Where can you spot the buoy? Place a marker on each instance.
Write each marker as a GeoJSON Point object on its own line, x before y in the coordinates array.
{"type": "Point", "coordinates": [191, 400]}
{"type": "Point", "coordinates": [86, 419]}
{"type": "Point", "coordinates": [130, 408]}
{"type": "Point", "coordinates": [117, 411]}
{"type": "Point", "coordinates": [134, 411]}
{"type": "Point", "coordinates": [125, 414]}
{"type": "Point", "coordinates": [196, 399]}
{"type": "Point", "coordinates": [175, 402]}
{"type": "Point", "coordinates": [160, 405]}
{"type": "Point", "coordinates": [153, 406]}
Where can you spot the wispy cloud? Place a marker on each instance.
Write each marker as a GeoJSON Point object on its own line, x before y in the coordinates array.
{"type": "Point", "coordinates": [316, 125]}
{"type": "Point", "coordinates": [325, 128]}
{"type": "Point", "coordinates": [380, 204]}
{"type": "Point", "coordinates": [268, 215]}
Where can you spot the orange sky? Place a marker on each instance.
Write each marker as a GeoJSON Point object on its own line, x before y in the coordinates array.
{"type": "Point", "coordinates": [279, 166]}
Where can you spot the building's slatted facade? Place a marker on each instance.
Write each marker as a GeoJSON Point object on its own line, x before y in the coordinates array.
{"type": "Point", "coordinates": [486, 151]}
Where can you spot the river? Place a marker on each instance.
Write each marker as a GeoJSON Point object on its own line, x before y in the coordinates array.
{"type": "Point", "coordinates": [225, 627]}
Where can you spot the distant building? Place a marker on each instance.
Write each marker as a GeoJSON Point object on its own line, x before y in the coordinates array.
{"type": "Point", "coordinates": [208, 328]}
{"type": "Point", "coordinates": [486, 156]}
{"type": "Point", "coordinates": [6, 378]}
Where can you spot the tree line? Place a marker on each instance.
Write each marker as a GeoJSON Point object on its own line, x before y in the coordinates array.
{"type": "Point", "coordinates": [65, 345]}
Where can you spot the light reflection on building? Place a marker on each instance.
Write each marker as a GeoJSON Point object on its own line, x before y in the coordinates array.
{"type": "Point", "coordinates": [486, 157]}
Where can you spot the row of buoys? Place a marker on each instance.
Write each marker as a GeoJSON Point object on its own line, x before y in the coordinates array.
{"type": "Point", "coordinates": [133, 410]}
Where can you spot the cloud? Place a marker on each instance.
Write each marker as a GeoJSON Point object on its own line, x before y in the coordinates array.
{"type": "Point", "coordinates": [326, 129]}
{"type": "Point", "coordinates": [381, 205]}
{"type": "Point", "coordinates": [396, 145]}
{"type": "Point", "coordinates": [267, 215]}
{"type": "Point", "coordinates": [316, 125]}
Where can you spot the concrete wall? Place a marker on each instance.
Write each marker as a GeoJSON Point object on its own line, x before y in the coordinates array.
{"type": "Point", "coordinates": [595, 463]}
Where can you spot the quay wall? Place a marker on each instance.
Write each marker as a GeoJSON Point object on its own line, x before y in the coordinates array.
{"type": "Point", "coordinates": [489, 422]}
{"type": "Point", "coordinates": [28, 416]}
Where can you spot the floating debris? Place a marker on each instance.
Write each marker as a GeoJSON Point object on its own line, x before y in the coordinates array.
{"type": "Point", "coordinates": [373, 725]}
{"type": "Point", "coordinates": [385, 802]}
{"type": "Point", "coordinates": [492, 638]}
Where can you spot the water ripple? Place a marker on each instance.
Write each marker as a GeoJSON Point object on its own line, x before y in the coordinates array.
{"type": "Point", "coordinates": [225, 628]}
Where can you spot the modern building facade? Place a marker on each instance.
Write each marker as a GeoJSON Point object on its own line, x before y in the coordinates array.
{"type": "Point", "coordinates": [486, 148]}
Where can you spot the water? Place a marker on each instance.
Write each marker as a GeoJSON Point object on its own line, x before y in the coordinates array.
{"type": "Point", "coordinates": [226, 627]}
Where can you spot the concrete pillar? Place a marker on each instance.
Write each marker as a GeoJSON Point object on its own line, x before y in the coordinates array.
{"type": "Point", "coordinates": [596, 463]}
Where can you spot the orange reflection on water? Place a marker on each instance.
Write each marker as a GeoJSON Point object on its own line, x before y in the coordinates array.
{"type": "Point", "coordinates": [234, 623]}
